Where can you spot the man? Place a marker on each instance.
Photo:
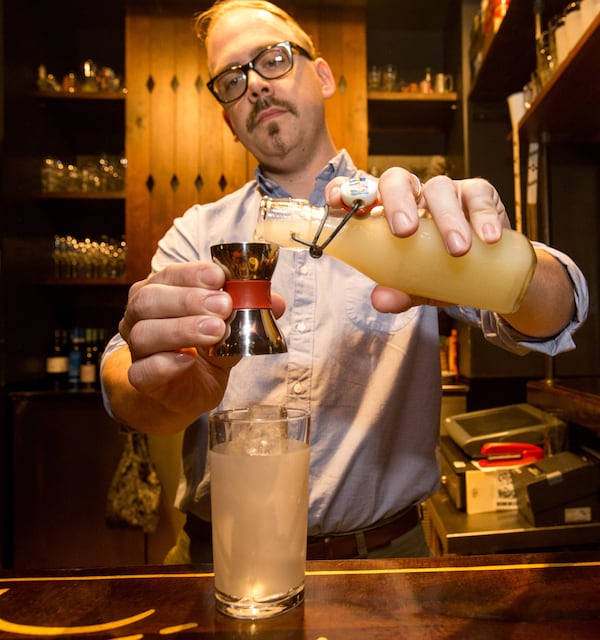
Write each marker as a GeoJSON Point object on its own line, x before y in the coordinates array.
{"type": "Point", "coordinates": [364, 359]}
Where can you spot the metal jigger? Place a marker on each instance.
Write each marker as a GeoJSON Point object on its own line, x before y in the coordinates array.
{"type": "Point", "coordinates": [249, 267]}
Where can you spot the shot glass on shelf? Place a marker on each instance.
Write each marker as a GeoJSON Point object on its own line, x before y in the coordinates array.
{"type": "Point", "coordinates": [374, 74]}
{"type": "Point", "coordinates": [52, 174]}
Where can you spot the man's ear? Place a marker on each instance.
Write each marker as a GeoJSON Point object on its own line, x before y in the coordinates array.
{"type": "Point", "coordinates": [228, 123]}
{"type": "Point", "coordinates": [328, 84]}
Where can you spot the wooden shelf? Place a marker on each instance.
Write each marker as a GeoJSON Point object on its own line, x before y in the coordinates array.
{"type": "Point", "coordinates": [568, 105]}
{"type": "Point", "coordinates": [398, 111]}
{"type": "Point", "coordinates": [81, 195]}
{"type": "Point", "coordinates": [406, 96]}
{"type": "Point", "coordinates": [92, 282]}
{"type": "Point", "coordinates": [82, 95]}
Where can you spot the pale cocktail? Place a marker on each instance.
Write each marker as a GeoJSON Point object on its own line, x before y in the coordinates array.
{"type": "Point", "coordinates": [259, 459]}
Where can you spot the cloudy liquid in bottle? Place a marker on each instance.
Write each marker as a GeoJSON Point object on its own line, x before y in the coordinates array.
{"type": "Point", "coordinates": [489, 276]}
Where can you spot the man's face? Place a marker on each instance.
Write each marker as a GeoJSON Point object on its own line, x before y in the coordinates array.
{"type": "Point", "coordinates": [274, 117]}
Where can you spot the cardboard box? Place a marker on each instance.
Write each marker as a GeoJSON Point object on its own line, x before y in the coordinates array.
{"type": "Point", "coordinates": [490, 490]}
{"type": "Point", "coordinates": [472, 488]}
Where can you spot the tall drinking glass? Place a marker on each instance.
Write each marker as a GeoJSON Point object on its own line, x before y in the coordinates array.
{"type": "Point", "coordinates": [259, 495]}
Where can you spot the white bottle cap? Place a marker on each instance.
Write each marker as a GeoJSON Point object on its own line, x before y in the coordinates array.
{"type": "Point", "coordinates": [361, 190]}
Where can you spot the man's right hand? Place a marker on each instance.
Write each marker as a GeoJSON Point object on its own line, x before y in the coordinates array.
{"type": "Point", "coordinates": [166, 379]}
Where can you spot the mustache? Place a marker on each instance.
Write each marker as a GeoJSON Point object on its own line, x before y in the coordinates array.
{"type": "Point", "coordinates": [265, 103]}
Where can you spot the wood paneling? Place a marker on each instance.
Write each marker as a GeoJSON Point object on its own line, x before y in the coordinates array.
{"type": "Point", "coordinates": [343, 44]}
{"type": "Point", "coordinates": [137, 145]}
{"type": "Point", "coordinates": [176, 138]}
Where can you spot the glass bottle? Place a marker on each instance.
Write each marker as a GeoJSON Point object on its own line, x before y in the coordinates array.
{"type": "Point", "coordinates": [88, 365]}
{"type": "Point", "coordinates": [75, 357]}
{"type": "Point", "coordinates": [57, 362]}
{"type": "Point", "coordinates": [489, 276]}
{"type": "Point", "coordinates": [426, 85]}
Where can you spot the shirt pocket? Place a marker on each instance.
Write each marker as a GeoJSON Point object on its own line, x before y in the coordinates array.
{"type": "Point", "coordinates": [361, 313]}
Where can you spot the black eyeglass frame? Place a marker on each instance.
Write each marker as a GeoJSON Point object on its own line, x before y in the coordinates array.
{"type": "Point", "coordinates": [244, 68]}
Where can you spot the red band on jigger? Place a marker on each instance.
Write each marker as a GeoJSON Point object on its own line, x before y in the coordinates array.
{"type": "Point", "coordinates": [249, 294]}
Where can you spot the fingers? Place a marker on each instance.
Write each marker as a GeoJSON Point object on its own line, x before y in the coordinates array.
{"type": "Point", "coordinates": [147, 375]}
{"type": "Point", "coordinates": [401, 193]}
{"type": "Point", "coordinates": [189, 274]}
{"type": "Point", "coordinates": [148, 337]}
{"type": "Point", "coordinates": [181, 306]}
{"type": "Point", "coordinates": [278, 304]}
{"type": "Point", "coordinates": [484, 208]}
{"type": "Point", "coordinates": [453, 204]}
{"type": "Point", "coordinates": [458, 207]}
{"type": "Point", "coordinates": [333, 192]}
{"type": "Point", "coordinates": [388, 300]}
{"type": "Point", "coordinates": [442, 198]}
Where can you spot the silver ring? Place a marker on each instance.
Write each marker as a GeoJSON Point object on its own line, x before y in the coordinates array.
{"type": "Point", "coordinates": [419, 187]}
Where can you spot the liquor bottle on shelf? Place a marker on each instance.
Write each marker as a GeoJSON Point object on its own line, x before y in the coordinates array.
{"type": "Point", "coordinates": [57, 361]}
{"type": "Point", "coordinates": [75, 357]}
{"type": "Point", "coordinates": [426, 84]}
{"type": "Point", "coordinates": [88, 375]}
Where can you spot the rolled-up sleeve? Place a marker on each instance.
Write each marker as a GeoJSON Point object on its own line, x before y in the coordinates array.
{"type": "Point", "coordinates": [499, 332]}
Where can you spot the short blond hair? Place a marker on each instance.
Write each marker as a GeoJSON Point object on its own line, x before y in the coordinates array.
{"type": "Point", "coordinates": [204, 20]}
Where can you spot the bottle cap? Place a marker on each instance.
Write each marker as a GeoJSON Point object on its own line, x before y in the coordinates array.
{"type": "Point", "coordinates": [361, 191]}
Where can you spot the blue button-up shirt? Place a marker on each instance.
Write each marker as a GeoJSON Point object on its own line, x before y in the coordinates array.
{"type": "Point", "coordinates": [370, 380]}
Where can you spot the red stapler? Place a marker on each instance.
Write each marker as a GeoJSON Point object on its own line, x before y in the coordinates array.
{"type": "Point", "coordinates": [497, 454]}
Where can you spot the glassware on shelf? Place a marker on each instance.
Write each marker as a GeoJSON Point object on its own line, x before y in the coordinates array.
{"type": "Point", "coordinates": [46, 81]}
{"type": "Point", "coordinates": [88, 258]}
{"type": "Point", "coordinates": [443, 83]}
{"type": "Point", "coordinates": [90, 177]}
{"type": "Point", "coordinates": [389, 77]}
{"type": "Point", "coordinates": [72, 178]}
{"type": "Point", "coordinates": [90, 78]}
{"type": "Point", "coordinates": [531, 90]}
{"type": "Point", "coordinates": [374, 78]}
{"type": "Point", "coordinates": [112, 173]}
{"type": "Point", "coordinates": [88, 72]}
{"type": "Point", "coordinates": [87, 174]}
{"type": "Point", "coordinates": [544, 59]}
{"type": "Point", "coordinates": [52, 174]}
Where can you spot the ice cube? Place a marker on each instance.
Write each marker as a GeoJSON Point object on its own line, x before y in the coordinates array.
{"type": "Point", "coordinates": [261, 438]}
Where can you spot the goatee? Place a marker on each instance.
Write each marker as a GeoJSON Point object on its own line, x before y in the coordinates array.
{"type": "Point", "coordinates": [273, 131]}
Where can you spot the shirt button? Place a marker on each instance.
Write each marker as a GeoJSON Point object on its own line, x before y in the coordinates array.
{"type": "Point", "coordinates": [301, 327]}
{"type": "Point", "coordinates": [298, 388]}
{"type": "Point", "coordinates": [303, 269]}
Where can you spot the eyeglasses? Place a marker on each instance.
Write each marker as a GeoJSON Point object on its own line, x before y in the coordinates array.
{"type": "Point", "coordinates": [271, 63]}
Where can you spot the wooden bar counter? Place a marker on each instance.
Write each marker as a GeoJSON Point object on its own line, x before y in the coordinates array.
{"type": "Point", "coordinates": [521, 596]}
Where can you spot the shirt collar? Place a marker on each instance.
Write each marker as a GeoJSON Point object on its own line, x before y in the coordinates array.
{"type": "Point", "coordinates": [340, 165]}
